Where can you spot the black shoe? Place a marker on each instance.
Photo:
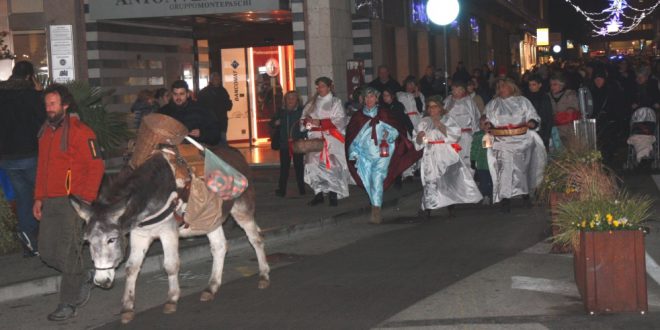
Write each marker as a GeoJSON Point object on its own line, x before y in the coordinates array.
{"type": "Point", "coordinates": [451, 211]}
{"type": "Point", "coordinates": [333, 198]}
{"type": "Point", "coordinates": [527, 202]}
{"type": "Point", "coordinates": [425, 215]}
{"type": "Point", "coordinates": [63, 312]}
{"type": "Point", "coordinates": [29, 244]}
{"type": "Point", "coordinates": [280, 193]}
{"type": "Point", "coordinates": [86, 289]}
{"type": "Point", "coordinates": [318, 199]}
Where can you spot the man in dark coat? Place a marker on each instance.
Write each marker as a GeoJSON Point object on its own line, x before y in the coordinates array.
{"type": "Point", "coordinates": [215, 98]}
{"type": "Point", "coordinates": [377, 150]}
{"type": "Point", "coordinates": [21, 115]}
{"type": "Point", "coordinates": [609, 111]}
{"type": "Point", "coordinates": [384, 80]}
{"type": "Point", "coordinates": [541, 102]}
{"type": "Point", "coordinates": [202, 123]}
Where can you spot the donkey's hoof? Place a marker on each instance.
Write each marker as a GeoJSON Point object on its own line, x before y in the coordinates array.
{"type": "Point", "coordinates": [206, 296]}
{"type": "Point", "coordinates": [264, 282]}
{"type": "Point", "coordinates": [127, 316]}
{"type": "Point", "coordinates": [169, 308]}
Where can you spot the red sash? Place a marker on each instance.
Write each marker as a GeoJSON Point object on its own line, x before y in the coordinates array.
{"type": "Point", "coordinates": [327, 125]}
{"type": "Point", "coordinates": [456, 146]}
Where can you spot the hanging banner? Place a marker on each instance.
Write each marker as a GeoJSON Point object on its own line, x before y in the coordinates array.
{"type": "Point", "coordinates": [119, 9]}
{"type": "Point", "coordinates": [234, 80]}
{"type": "Point", "coordinates": [61, 50]}
{"type": "Point", "coordinates": [543, 37]}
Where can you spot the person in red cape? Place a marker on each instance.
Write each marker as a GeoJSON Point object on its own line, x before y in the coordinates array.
{"type": "Point", "coordinates": [377, 150]}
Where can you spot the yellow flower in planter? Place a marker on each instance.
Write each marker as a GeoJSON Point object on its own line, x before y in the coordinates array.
{"type": "Point", "coordinates": [584, 223]}
{"type": "Point", "coordinates": [609, 218]}
{"type": "Point", "coordinates": [597, 217]}
{"type": "Point", "coordinates": [616, 223]}
{"type": "Point", "coordinates": [592, 224]}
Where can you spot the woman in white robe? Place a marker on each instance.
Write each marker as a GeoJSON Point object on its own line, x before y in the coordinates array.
{"type": "Point", "coordinates": [464, 111]}
{"type": "Point", "coordinates": [326, 171]}
{"type": "Point", "coordinates": [517, 157]}
{"type": "Point", "coordinates": [414, 103]}
{"type": "Point", "coordinates": [446, 179]}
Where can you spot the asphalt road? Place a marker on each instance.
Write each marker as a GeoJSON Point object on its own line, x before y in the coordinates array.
{"type": "Point", "coordinates": [360, 285]}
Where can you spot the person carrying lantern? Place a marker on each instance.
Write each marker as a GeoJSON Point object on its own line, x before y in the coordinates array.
{"type": "Point", "coordinates": [447, 180]}
{"type": "Point", "coordinates": [377, 150]}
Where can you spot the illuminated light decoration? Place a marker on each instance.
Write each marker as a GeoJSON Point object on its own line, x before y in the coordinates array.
{"type": "Point", "coordinates": [618, 18]}
{"type": "Point", "coordinates": [556, 48]}
{"type": "Point", "coordinates": [585, 48]}
{"type": "Point", "coordinates": [543, 37]}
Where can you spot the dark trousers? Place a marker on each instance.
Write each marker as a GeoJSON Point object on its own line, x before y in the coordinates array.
{"type": "Point", "coordinates": [60, 245]}
{"type": "Point", "coordinates": [285, 165]}
{"type": "Point", "coordinates": [485, 182]}
{"type": "Point", "coordinates": [22, 174]}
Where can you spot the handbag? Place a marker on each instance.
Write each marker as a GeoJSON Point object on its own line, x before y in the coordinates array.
{"type": "Point", "coordinates": [307, 145]}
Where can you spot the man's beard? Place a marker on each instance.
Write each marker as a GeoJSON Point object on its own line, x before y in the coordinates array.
{"type": "Point", "coordinates": [56, 119]}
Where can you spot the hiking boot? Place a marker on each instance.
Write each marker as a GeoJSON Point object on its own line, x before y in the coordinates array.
{"type": "Point", "coordinates": [318, 199]}
{"type": "Point", "coordinates": [86, 289]}
{"type": "Point", "coordinates": [333, 198]}
{"type": "Point", "coordinates": [63, 312]}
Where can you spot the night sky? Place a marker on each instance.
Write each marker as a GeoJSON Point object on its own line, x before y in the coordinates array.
{"type": "Point", "coordinates": [572, 25]}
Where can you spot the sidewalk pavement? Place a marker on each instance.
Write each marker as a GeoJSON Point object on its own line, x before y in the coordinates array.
{"type": "Point", "coordinates": [276, 216]}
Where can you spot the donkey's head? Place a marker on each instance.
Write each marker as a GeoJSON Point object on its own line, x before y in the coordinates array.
{"type": "Point", "coordinates": [105, 236]}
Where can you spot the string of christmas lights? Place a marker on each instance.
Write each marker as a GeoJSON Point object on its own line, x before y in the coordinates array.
{"type": "Point", "coordinates": [619, 17]}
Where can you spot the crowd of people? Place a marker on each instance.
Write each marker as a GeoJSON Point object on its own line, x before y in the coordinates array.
{"type": "Point", "coordinates": [487, 140]}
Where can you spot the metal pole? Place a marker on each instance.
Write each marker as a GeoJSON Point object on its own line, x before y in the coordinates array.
{"type": "Point", "coordinates": [446, 67]}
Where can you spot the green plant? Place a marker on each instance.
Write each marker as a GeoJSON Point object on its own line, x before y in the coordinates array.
{"type": "Point", "coordinates": [8, 241]}
{"type": "Point", "coordinates": [111, 128]}
{"type": "Point", "coordinates": [5, 52]}
{"type": "Point", "coordinates": [600, 213]}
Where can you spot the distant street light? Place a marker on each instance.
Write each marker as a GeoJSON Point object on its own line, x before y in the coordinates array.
{"type": "Point", "coordinates": [443, 12]}
{"type": "Point", "coordinates": [556, 48]}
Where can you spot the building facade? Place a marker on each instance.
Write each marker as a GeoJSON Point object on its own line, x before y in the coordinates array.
{"type": "Point", "coordinates": [263, 48]}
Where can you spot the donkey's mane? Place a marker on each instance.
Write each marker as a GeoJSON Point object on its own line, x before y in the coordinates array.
{"type": "Point", "coordinates": [149, 184]}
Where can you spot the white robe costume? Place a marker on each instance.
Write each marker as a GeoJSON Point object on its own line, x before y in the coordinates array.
{"type": "Point", "coordinates": [446, 179]}
{"type": "Point", "coordinates": [516, 163]}
{"type": "Point", "coordinates": [317, 175]}
{"type": "Point", "coordinates": [466, 114]}
{"type": "Point", "coordinates": [408, 101]}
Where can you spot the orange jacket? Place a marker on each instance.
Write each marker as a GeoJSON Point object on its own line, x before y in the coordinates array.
{"type": "Point", "coordinates": [76, 171]}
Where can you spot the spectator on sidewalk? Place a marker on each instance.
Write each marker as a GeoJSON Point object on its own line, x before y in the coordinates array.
{"type": "Point", "coordinates": [201, 122]}
{"type": "Point", "coordinates": [646, 92]}
{"type": "Point", "coordinates": [21, 116]}
{"type": "Point", "coordinates": [377, 149]}
{"type": "Point", "coordinates": [69, 164]}
{"type": "Point", "coordinates": [163, 96]}
{"type": "Point", "coordinates": [541, 102]}
{"type": "Point", "coordinates": [215, 98]}
{"type": "Point", "coordinates": [445, 178]}
{"type": "Point", "coordinates": [478, 101]}
{"type": "Point", "coordinates": [143, 105]}
{"type": "Point", "coordinates": [385, 80]}
{"type": "Point", "coordinates": [286, 121]}
{"type": "Point", "coordinates": [479, 159]}
{"type": "Point", "coordinates": [429, 84]}
{"type": "Point", "coordinates": [565, 107]}
{"type": "Point", "coordinates": [610, 114]}
{"type": "Point", "coordinates": [461, 73]}
{"type": "Point", "coordinates": [326, 171]}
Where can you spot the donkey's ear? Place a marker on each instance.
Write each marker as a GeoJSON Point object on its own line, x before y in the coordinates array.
{"type": "Point", "coordinates": [83, 209]}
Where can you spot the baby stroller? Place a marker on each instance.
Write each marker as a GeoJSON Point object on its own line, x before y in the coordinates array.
{"type": "Point", "coordinates": [643, 139]}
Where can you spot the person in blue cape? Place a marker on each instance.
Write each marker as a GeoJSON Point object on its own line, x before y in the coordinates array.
{"type": "Point", "coordinates": [377, 149]}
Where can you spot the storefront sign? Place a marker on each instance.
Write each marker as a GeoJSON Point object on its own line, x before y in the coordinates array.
{"type": "Point", "coordinates": [61, 50]}
{"type": "Point", "coordinates": [118, 9]}
{"type": "Point", "coordinates": [543, 37]}
{"type": "Point", "coordinates": [234, 80]}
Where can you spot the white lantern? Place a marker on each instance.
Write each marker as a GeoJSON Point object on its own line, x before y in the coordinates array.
{"type": "Point", "coordinates": [442, 12]}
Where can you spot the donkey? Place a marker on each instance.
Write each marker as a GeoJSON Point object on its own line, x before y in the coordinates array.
{"type": "Point", "coordinates": [142, 202]}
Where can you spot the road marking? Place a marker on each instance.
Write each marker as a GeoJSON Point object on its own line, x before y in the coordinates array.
{"type": "Point", "coordinates": [566, 288]}
{"type": "Point", "coordinates": [656, 179]}
{"type": "Point", "coordinates": [652, 268]}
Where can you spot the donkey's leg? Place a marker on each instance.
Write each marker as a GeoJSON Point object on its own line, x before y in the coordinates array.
{"type": "Point", "coordinates": [245, 218]}
{"type": "Point", "coordinates": [139, 246]}
{"type": "Point", "coordinates": [218, 244]}
{"type": "Point", "coordinates": [170, 241]}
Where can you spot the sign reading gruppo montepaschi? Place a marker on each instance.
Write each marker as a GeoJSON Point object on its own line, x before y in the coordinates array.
{"type": "Point", "coordinates": [117, 9]}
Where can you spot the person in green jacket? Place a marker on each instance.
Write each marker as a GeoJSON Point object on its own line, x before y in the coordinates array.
{"type": "Point", "coordinates": [479, 162]}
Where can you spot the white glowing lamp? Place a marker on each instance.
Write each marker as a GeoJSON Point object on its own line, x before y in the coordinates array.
{"type": "Point", "coordinates": [442, 12]}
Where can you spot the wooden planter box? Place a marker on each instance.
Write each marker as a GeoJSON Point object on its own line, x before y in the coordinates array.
{"type": "Point", "coordinates": [610, 271]}
{"type": "Point", "coordinates": [556, 199]}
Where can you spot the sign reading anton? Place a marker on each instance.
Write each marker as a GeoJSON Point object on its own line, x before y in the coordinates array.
{"type": "Point", "coordinates": [118, 9]}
